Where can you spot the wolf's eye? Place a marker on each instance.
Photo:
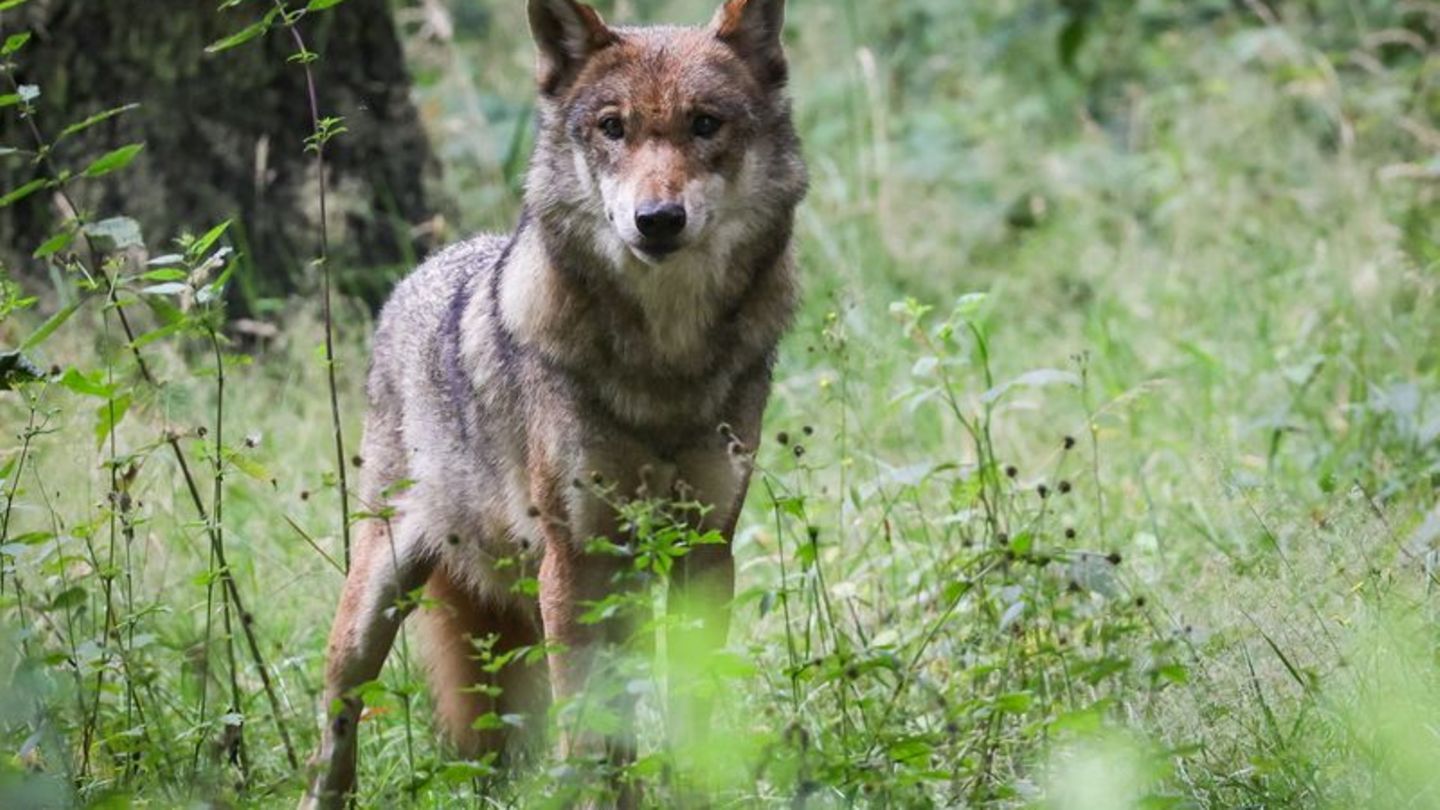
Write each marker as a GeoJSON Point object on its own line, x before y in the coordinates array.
{"type": "Point", "coordinates": [612, 127]}
{"type": "Point", "coordinates": [705, 126]}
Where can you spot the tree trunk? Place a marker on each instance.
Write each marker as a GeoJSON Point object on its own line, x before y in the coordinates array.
{"type": "Point", "coordinates": [225, 135]}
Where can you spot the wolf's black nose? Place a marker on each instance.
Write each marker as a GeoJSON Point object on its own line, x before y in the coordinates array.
{"type": "Point", "coordinates": [660, 220]}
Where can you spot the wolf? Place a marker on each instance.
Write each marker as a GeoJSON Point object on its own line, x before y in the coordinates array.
{"type": "Point", "coordinates": [625, 332]}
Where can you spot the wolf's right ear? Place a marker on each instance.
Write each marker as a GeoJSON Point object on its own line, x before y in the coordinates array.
{"type": "Point", "coordinates": [753, 28]}
{"type": "Point", "coordinates": [566, 34]}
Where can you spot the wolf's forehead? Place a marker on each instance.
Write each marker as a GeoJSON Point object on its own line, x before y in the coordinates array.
{"type": "Point", "coordinates": [660, 67]}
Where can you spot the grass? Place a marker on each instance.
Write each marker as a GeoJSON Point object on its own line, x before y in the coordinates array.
{"type": "Point", "coordinates": [1109, 468]}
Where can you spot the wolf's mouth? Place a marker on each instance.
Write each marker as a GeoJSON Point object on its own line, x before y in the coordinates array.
{"type": "Point", "coordinates": [657, 250]}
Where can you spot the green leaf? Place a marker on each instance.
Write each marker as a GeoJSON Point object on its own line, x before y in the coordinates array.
{"type": "Point", "coordinates": [321, 5]}
{"type": "Point", "coordinates": [16, 369]}
{"type": "Point", "coordinates": [164, 274]}
{"type": "Point", "coordinates": [158, 334]}
{"type": "Point", "coordinates": [9, 4]}
{"type": "Point", "coordinates": [24, 191]}
{"type": "Point", "coordinates": [54, 244]}
{"type": "Point", "coordinates": [202, 245]}
{"type": "Point", "coordinates": [108, 416]}
{"type": "Point", "coordinates": [88, 385]}
{"type": "Point", "coordinates": [104, 115]}
{"type": "Point", "coordinates": [14, 42]}
{"type": "Point", "coordinates": [113, 160]}
{"type": "Point", "coordinates": [46, 329]}
{"type": "Point", "coordinates": [1014, 702]}
{"type": "Point", "coordinates": [242, 36]}
{"type": "Point", "coordinates": [68, 598]}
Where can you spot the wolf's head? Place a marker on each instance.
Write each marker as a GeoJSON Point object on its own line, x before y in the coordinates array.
{"type": "Point", "coordinates": [656, 143]}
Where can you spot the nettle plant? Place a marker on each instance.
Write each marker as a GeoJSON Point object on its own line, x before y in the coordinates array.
{"type": "Point", "coordinates": [96, 702]}
{"type": "Point", "coordinates": [940, 619]}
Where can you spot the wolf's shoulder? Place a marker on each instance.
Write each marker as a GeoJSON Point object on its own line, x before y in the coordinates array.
{"type": "Point", "coordinates": [432, 286]}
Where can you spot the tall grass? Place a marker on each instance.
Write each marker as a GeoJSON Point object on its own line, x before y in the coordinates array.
{"type": "Point", "coordinates": [1101, 469]}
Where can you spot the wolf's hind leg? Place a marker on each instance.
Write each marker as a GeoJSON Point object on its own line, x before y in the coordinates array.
{"type": "Point", "coordinates": [455, 630]}
{"type": "Point", "coordinates": [384, 570]}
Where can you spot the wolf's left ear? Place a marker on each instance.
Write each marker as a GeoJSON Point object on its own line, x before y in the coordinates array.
{"type": "Point", "coordinates": [753, 28]}
{"type": "Point", "coordinates": [566, 34]}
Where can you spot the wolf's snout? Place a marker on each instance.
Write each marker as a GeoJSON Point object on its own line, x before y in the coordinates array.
{"type": "Point", "coordinates": [660, 221]}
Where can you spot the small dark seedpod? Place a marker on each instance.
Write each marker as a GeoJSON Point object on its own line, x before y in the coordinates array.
{"type": "Point", "coordinates": [453, 539]}
{"type": "Point", "coordinates": [1069, 442]}
{"type": "Point", "coordinates": [1009, 555]}
{"type": "Point", "coordinates": [852, 672]}
{"type": "Point", "coordinates": [1069, 532]}
{"type": "Point", "coordinates": [533, 511]}
{"type": "Point", "coordinates": [524, 544]}
{"type": "Point", "coordinates": [1002, 537]}
{"type": "Point", "coordinates": [252, 442]}
{"type": "Point", "coordinates": [1064, 487]}
{"type": "Point", "coordinates": [1140, 602]}
{"type": "Point", "coordinates": [304, 494]}
{"type": "Point", "coordinates": [782, 437]}
{"type": "Point", "coordinates": [1043, 491]}
{"type": "Point", "coordinates": [813, 532]}
{"type": "Point", "coordinates": [1074, 587]}
{"type": "Point", "coordinates": [202, 431]}
{"type": "Point", "coordinates": [55, 371]}
{"type": "Point", "coordinates": [1062, 639]}
{"type": "Point", "coordinates": [247, 617]}
{"type": "Point", "coordinates": [1114, 558]}
{"type": "Point", "coordinates": [357, 461]}
{"type": "Point", "coordinates": [577, 483]}
{"type": "Point", "coordinates": [808, 431]}
{"type": "Point", "coordinates": [1011, 471]}
{"type": "Point", "coordinates": [596, 478]}
{"type": "Point", "coordinates": [798, 450]}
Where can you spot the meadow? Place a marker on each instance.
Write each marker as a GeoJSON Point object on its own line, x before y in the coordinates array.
{"type": "Point", "coordinates": [1102, 468]}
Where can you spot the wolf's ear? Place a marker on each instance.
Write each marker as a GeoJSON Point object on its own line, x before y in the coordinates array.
{"type": "Point", "coordinates": [566, 33]}
{"type": "Point", "coordinates": [752, 28]}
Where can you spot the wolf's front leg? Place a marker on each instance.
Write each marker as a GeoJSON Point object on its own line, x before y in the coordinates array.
{"type": "Point", "coordinates": [570, 581]}
{"type": "Point", "coordinates": [384, 569]}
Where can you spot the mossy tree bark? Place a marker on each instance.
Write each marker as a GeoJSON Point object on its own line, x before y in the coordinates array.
{"type": "Point", "coordinates": [225, 135]}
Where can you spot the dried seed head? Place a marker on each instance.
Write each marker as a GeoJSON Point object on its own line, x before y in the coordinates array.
{"type": "Point", "coordinates": [304, 494]}
{"type": "Point", "coordinates": [1069, 442]}
{"type": "Point", "coordinates": [453, 539]}
{"type": "Point", "coordinates": [357, 461]}
{"type": "Point", "coordinates": [201, 431]}
{"type": "Point", "coordinates": [596, 478]}
{"type": "Point", "coordinates": [813, 532]}
{"type": "Point", "coordinates": [798, 450]}
{"type": "Point", "coordinates": [782, 437]}
{"type": "Point", "coordinates": [533, 511]}
{"type": "Point", "coordinates": [808, 431]}
{"type": "Point", "coordinates": [1069, 532]}
{"type": "Point", "coordinates": [1114, 558]}
{"type": "Point", "coordinates": [1064, 487]}
{"type": "Point", "coordinates": [1043, 491]}
{"type": "Point", "coordinates": [1010, 471]}
{"type": "Point", "coordinates": [1139, 601]}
